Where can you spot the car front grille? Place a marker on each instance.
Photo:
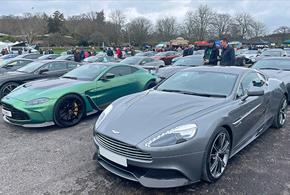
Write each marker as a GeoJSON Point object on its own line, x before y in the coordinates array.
{"type": "Point", "coordinates": [122, 148]}
{"type": "Point", "coordinates": [16, 114]}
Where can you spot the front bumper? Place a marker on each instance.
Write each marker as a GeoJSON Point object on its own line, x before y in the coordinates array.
{"type": "Point", "coordinates": [160, 172]}
{"type": "Point", "coordinates": [28, 116]}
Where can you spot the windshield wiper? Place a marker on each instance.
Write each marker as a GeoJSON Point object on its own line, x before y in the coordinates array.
{"type": "Point", "coordinates": [285, 69]}
{"type": "Point", "coordinates": [194, 93]}
{"type": "Point", "coordinates": [68, 77]}
{"type": "Point", "coordinates": [269, 68]}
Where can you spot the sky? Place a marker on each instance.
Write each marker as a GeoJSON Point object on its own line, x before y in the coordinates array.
{"type": "Point", "coordinates": [273, 13]}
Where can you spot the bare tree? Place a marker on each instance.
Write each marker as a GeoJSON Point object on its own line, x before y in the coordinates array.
{"type": "Point", "coordinates": [166, 28]}
{"type": "Point", "coordinates": [221, 24]}
{"type": "Point", "coordinates": [259, 28]}
{"type": "Point", "coordinates": [139, 30]}
{"type": "Point", "coordinates": [197, 24]}
{"type": "Point", "coordinates": [282, 30]}
{"type": "Point", "coordinates": [244, 22]}
{"type": "Point", "coordinates": [117, 20]}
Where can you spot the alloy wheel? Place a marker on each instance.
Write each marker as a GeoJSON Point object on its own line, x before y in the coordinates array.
{"type": "Point", "coordinates": [283, 113]}
{"type": "Point", "coordinates": [219, 155]}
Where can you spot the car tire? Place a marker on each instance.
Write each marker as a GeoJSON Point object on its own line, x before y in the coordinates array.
{"type": "Point", "coordinates": [281, 116]}
{"type": "Point", "coordinates": [7, 88]}
{"type": "Point", "coordinates": [150, 85]}
{"type": "Point", "coordinates": [69, 110]}
{"type": "Point", "coordinates": [216, 156]}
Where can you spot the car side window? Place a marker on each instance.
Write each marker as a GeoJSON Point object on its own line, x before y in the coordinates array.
{"type": "Point", "coordinates": [71, 65]}
{"type": "Point", "coordinates": [57, 66]}
{"type": "Point", "coordinates": [120, 71]}
{"type": "Point", "coordinates": [252, 79]}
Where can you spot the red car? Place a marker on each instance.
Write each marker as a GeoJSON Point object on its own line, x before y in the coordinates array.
{"type": "Point", "coordinates": [166, 56]}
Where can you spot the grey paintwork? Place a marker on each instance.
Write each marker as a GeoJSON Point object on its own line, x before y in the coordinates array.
{"type": "Point", "coordinates": [140, 117]}
{"type": "Point", "coordinates": [283, 75]}
{"type": "Point", "coordinates": [153, 65]}
{"type": "Point", "coordinates": [166, 72]}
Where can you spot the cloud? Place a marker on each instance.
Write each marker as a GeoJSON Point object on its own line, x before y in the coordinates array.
{"type": "Point", "coordinates": [273, 13]}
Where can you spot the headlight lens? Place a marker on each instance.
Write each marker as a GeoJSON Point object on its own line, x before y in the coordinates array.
{"type": "Point", "coordinates": [103, 115]}
{"type": "Point", "coordinates": [173, 136]}
{"type": "Point", "coordinates": [37, 101]}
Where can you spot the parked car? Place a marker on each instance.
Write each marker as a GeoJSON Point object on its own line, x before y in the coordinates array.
{"type": "Point", "coordinates": [68, 57]}
{"type": "Point", "coordinates": [7, 56]}
{"type": "Point", "coordinates": [29, 55]}
{"type": "Point", "coordinates": [166, 56]}
{"type": "Point", "coordinates": [99, 58]}
{"type": "Point", "coordinates": [49, 57]}
{"type": "Point", "coordinates": [32, 71]}
{"type": "Point", "coordinates": [276, 67]}
{"type": "Point", "coordinates": [180, 64]}
{"type": "Point", "coordinates": [188, 127]}
{"type": "Point", "coordinates": [148, 63]}
{"type": "Point", "coordinates": [147, 53]}
{"type": "Point", "coordinates": [271, 53]}
{"type": "Point", "coordinates": [12, 64]}
{"type": "Point", "coordinates": [199, 52]}
{"type": "Point", "coordinates": [249, 56]}
{"type": "Point", "coordinates": [66, 100]}
{"type": "Point", "coordinates": [287, 50]}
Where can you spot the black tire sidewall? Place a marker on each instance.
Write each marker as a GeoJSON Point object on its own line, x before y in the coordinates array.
{"type": "Point", "coordinates": [276, 123]}
{"type": "Point", "coordinates": [5, 85]}
{"type": "Point", "coordinates": [57, 106]}
{"type": "Point", "coordinates": [206, 176]}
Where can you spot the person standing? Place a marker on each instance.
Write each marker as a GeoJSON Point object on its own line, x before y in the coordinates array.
{"type": "Point", "coordinates": [228, 54]}
{"type": "Point", "coordinates": [77, 56]}
{"type": "Point", "coordinates": [110, 52]}
{"type": "Point", "coordinates": [211, 54]}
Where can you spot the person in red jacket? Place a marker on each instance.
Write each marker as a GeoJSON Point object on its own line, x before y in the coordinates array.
{"type": "Point", "coordinates": [119, 53]}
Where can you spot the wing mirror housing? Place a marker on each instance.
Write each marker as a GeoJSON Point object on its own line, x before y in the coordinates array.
{"type": "Point", "coordinates": [43, 71]}
{"type": "Point", "coordinates": [254, 91]}
{"type": "Point", "coordinates": [108, 76]}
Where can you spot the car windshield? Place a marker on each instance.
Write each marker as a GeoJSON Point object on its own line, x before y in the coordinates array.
{"type": "Point", "coordinates": [189, 61]}
{"type": "Point", "coordinates": [64, 57]}
{"type": "Point", "coordinates": [273, 64]}
{"type": "Point", "coordinates": [200, 83]}
{"type": "Point", "coordinates": [161, 54]}
{"type": "Point", "coordinates": [31, 67]}
{"type": "Point", "coordinates": [4, 62]}
{"type": "Point", "coordinates": [131, 61]}
{"type": "Point", "coordinates": [271, 53]}
{"type": "Point", "coordinates": [249, 52]}
{"type": "Point", "coordinates": [86, 72]}
{"type": "Point", "coordinates": [93, 59]}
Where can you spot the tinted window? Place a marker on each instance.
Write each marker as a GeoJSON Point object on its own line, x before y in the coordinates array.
{"type": "Point", "coordinates": [283, 64]}
{"type": "Point", "coordinates": [87, 72]}
{"type": "Point", "coordinates": [56, 66]}
{"type": "Point", "coordinates": [71, 65]}
{"type": "Point", "coordinates": [131, 61]}
{"type": "Point", "coordinates": [192, 61]}
{"type": "Point", "coordinates": [31, 67]}
{"type": "Point", "coordinates": [200, 82]}
{"type": "Point", "coordinates": [120, 70]}
{"type": "Point", "coordinates": [252, 79]}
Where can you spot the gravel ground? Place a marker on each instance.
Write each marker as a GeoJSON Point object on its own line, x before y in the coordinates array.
{"type": "Point", "coordinates": [59, 161]}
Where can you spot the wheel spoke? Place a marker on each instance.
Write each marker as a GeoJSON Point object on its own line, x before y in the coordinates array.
{"type": "Point", "coordinates": [225, 147]}
{"type": "Point", "coordinates": [214, 165]}
{"type": "Point", "coordinates": [223, 136]}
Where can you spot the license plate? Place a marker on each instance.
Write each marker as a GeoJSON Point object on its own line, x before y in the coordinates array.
{"type": "Point", "coordinates": [113, 157]}
{"type": "Point", "coordinates": [6, 113]}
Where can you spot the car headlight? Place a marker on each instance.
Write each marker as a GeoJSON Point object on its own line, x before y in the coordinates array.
{"type": "Point", "coordinates": [173, 136]}
{"type": "Point", "coordinates": [37, 101]}
{"type": "Point", "coordinates": [103, 116]}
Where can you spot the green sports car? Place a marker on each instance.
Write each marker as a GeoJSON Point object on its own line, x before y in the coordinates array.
{"type": "Point", "coordinates": [66, 100]}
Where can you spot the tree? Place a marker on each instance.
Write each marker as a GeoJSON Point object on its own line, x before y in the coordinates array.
{"type": "Point", "coordinates": [259, 28]}
{"type": "Point", "coordinates": [221, 24]}
{"type": "Point", "coordinates": [116, 25]}
{"type": "Point", "coordinates": [244, 23]}
{"type": "Point", "coordinates": [166, 28]}
{"type": "Point", "coordinates": [282, 30]}
{"type": "Point", "coordinates": [139, 30]}
{"type": "Point", "coordinates": [197, 24]}
{"type": "Point", "coordinates": [56, 22]}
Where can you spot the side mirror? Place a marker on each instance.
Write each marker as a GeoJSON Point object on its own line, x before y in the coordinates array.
{"type": "Point", "coordinates": [108, 76]}
{"type": "Point", "coordinates": [43, 71]}
{"type": "Point", "coordinates": [254, 91]}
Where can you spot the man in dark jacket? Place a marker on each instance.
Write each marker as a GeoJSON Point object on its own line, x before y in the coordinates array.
{"type": "Point", "coordinates": [211, 54]}
{"type": "Point", "coordinates": [228, 54]}
{"type": "Point", "coordinates": [110, 52]}
{"type": "Point", "coordinates": [77, 55]}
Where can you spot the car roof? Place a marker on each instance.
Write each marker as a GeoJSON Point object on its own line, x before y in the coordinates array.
{"type": "Point", "coordinates": [276, 58]}
{"type": "Point", "coordinates": [222, 69]}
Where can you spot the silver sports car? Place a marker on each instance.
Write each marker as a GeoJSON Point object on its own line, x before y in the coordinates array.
{"type": "Point", "coordinates": [188, 127]}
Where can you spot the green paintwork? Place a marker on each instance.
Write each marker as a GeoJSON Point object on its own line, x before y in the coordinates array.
{"type": "Point", "coordinates": [101, 92]}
